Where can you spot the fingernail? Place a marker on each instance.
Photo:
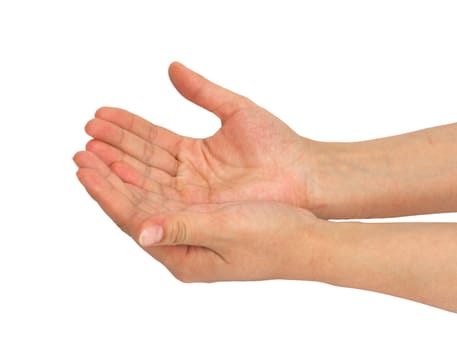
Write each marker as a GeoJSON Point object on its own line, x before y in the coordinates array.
{"type": "Point", "coordinates": [151, 235]}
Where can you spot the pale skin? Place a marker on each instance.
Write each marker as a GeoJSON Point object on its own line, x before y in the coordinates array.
{"type": "Point", "coordinates": [250, 202]}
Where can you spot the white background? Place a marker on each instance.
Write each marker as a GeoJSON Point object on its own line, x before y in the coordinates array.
{"type": "Point", "coordinates": [333, 70]}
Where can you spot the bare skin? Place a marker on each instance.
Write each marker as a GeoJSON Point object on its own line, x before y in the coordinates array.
{"type": "Point", "coordinates": [255, 156]}
{"type": "Point", "coordinates": [402, 175]}
{"type": "Point", "coordinates": [136, 210]}
{"type": "Point", "coordinates": [269, 240]}
{"type": "Point", "coordinates": [265, 240]}
{"type": "Point", "coordinates": [247, 203]}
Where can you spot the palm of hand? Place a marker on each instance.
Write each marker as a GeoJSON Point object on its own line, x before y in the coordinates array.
{"type": "Point", "coordinates": [131, 208]}
{"type": "Point", "coordinates": [254, 156]}
{"type": "Point", "coordinates": [149, 170]}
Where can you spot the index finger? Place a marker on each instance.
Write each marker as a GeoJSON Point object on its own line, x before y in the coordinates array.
{"type": "Point", "coordinates": [142, 128]}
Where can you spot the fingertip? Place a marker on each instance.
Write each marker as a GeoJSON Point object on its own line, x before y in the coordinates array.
{"type": "Point", "coordinates": [79, 173]}
{"type": "Point", "coordinates": [147, 227]}
{"type": "Point", "coordinates": [97, 127]}
{"type": "Point", "coordinates": [89, 128]}
{"type": "Point", "coordinates": [127, 174]}
{"type": "Point", "coordinates": [103, 111]}
{"type": "Point", "coordinates": [90, 145]}
{"type": "Point", "coordinates": [150, 235]}
{"type": "Point", "coordinates": [174, 65]}
{"type": "Point", "coordinates": [173, 70]}
{"type": "Point", "coordinates": [83, 175]}
{"type": "Point", "coordinates": [77, 157]}
{"type": "Point", "coordinates": [95, 146]}
{"type": "Point", "coordinates": [87, 159]}
{"type": "Point", "coordinates": [94, 184]}
{"type": "Point", "coordinates": [180, 73]}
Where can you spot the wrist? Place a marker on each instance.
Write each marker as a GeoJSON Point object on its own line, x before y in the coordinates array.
{"type": "Point", "coordinates": [348, 180]}
{"type": "Point", "coordinates": [329, 173]}
{"type": "Point", "coordinates": [317, 238]}
{"type": "Point", "coordinates": [335, 251]}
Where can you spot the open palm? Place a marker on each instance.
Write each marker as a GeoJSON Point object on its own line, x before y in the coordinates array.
{"type": "Point", "coordinates": [137, 171]}
{"type": "Point", "coordinates": [253, 156]}
{"type": "Point", "coordinates": [204, 242]}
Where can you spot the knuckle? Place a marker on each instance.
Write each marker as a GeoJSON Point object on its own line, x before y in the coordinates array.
{"type": "Point", "coordinates": [148, 153]}
{"type": "Point", "coordinates": [245, 101]}
{"type": "Point", "coordinates": [152, 133]}
{"type": "Point", "coordinates": [181, 234]}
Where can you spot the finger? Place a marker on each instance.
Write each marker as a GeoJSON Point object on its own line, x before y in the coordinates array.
{"type": "Point", "coordinates": [108, 191]}
{"type": "Point", "coordinates": [88, 160]}
{"type": "Point", "coordinates": [162, 198]}
{"type": "Point", "coordinates": [120, 209]}
{"type": "Point", "coordinates": [214, 98]}
{"type": "Point", "coordinates": [110, 155]}
{"type": "Point", "coordinates": [142, 128]}
{"type": "Point", "coordinates": [187, 243]}
{"type": "Point", "coordinates": [182, 228]}
{"type": "Point", "coordinates": [131, 144]}
{"type": "Point", "coordinates": [131, 176]}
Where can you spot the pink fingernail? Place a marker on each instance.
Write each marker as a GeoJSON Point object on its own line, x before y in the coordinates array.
{"type": "Point", "coordinates": [151, 235]}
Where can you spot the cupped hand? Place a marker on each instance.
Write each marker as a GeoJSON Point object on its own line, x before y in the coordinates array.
{"type": "Point", "coordinates": [236, 241]}
{"type": "Point", "coordinates": [200, 198]}
{"type": "Point", "coordinates": [253, 156]}
{"type": "Point", "coordinates": [248, 240]}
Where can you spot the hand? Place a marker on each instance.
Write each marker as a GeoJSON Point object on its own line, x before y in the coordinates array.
{"type": "Point", "coordinates": [254, 156]}
{"type": "Point", "coordinates": [210, 242]}
{"type": "Point", "coordinates": [235, 241]}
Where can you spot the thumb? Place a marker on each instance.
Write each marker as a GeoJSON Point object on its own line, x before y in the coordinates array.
{"type": "Point", "coordinates": [214, 98]}
{"type": "Point", "coordinates": [189, 229]}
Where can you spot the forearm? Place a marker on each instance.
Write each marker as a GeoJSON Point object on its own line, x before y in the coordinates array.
{"type": "Point", "coordinates": [412, 261]}
{"type": "Point", "coordinates": [414, 173]}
